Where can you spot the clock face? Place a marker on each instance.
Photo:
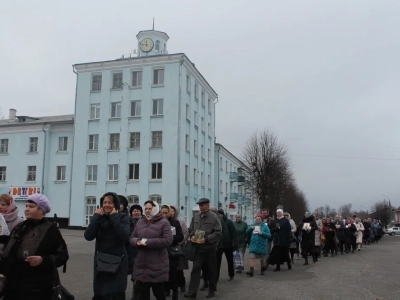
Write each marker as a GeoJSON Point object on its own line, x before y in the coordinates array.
{"type": "Point", "coordinates": [146, 45]}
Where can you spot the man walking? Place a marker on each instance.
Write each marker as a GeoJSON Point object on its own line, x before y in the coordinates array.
{"type": "Point", "coordinates": [241, 227]}
{"type": "Point", "coordinates": [204, 223]}
{"type": "Point", "coordinates": [270, 223]}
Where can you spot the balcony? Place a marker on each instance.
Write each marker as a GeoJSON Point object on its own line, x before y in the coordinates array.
{"type": "Point", "coordinates": [241, 198]}
{"type": "Point", "coordinates": [233, 176]}
{"type": "Point", "coordinates": [241, 178]}
{"type": "Point", "coordinates": [247, 201]}
{"type": "Point", "coordinates": [234, 196]}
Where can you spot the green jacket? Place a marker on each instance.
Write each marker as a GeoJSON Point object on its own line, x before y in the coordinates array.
{"type": "Point", "coordinates": [241, 228]}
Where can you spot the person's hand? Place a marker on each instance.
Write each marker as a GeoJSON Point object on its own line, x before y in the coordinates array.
{"type": "Point", "coordinates": [34, 261]}
{"type": "Point", "coordinates": [99, 211]}
{"type": "Point", "coordinates": [202, 241]}
{"type": "Point", "coordinates": [260, 233]}
{"type": "Point", "coordinates": [113, 211]}
{"type": "Point", "coordinates": [193, 239]}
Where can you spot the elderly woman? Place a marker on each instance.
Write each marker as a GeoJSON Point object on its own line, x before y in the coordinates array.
{"type": "Point", "coordinates": [258, 244]}
{"type": "Point", "coordinates": [35, 248]}
{"type": "Point", "coordinates": [282, 231]}
{"type": "Point", "coordinates": [293, 247]}
{"type": "Point", "coordinates": [308, 227]}
{"type": "Point", "coordinates": [151, 238]}
{"type": "Point", "coordinates": [111, 231]}
{"type": "Point", "coordinates": [359, 233]}
{"type": "Point", "coordinates": [10, 212]}
{"type": "Point", "coordinates": [329, 232]}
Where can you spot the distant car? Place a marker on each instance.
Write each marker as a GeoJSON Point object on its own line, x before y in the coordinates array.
{"type": "Point", "coordinates": [393, 231]}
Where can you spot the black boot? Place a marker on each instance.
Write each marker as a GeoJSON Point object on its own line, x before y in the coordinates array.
{"type": "Point", "coordinates": [251, 272]}
{"type": "Point", "coordinates": [205, 286]}
{"type": "Point", "coordinates": [314, 258]}
{"type": "Point", "coordinates": [262, 270]}
{"type": "Point", "coordinates": [289, 266]}
{"type": "Point", "coordinates": [305, 260]}
{"type": "Point", "coordinates": [278, 268]}
{"type": "Point", "coordinates": [175, 294]}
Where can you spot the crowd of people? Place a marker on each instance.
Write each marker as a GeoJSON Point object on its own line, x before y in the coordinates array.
{"type": "Point", "coordinates": [151, 246]}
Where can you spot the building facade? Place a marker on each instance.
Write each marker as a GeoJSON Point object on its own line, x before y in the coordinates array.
{"type": "Point", "coordinates": [36, 156]}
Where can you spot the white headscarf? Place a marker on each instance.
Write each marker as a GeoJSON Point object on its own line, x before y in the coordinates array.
{"type": "Point", "coordinates": [154, 211]}
{"type": "Point", "coordinates": [280, 210]}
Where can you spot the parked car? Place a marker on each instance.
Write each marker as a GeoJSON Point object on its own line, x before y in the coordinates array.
{"type": "Point", "coordinates": [393, 231]}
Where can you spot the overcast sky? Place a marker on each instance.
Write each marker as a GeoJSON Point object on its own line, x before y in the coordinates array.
{"type": "Point", "coordinates": [323, 75]}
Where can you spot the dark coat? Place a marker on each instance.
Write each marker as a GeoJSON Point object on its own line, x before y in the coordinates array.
{"type": "Point", "coordinates": [232, 242]}
{"type": "Point", "coordinates": [111, 233]}
{"type": "Point", "coordinates": [151, 261]}
{"type": "Point", "coordinates": [40, 238]}
{"type": "Point", "coordinates": [340, 231]}
{"type": "Point", "coordinates": [349, 233]}
{"type": "Point", "coordinates": [210, 223]}
{"type": "Point", "coordinates": [176, 239]}
{"type": "Point", "coordinates": [282, 232]}
{"type": "Point", "coordinates": [129, 249]}
{"type": "Point", "coordinates": [241, 235]}
{"type": "Point", "coordinates": [329, 236]}
{"type": "Point", "coordinates": [308, 237]}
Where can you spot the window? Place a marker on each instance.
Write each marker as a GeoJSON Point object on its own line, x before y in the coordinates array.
{"type": "Point", "coordinates": [114, 141]}
{"type": "Point", "coordinates": [195, 176]}
{"type": "Point", "coordinates": [33, 144]}
{"type": "Point", "coordinates": [4, 146]}
{"type": "Point", "coordinates": [133, 199]}
{"type": "Point", "coordinates": [226, 188]}
{"type": "Point", "coordinates": [203, 100]}
{"type": "Point", "coordinates": [209, 129]}
{"type": "Point", "coordinates": [195, 147]}
{"type": "Point", "coordinates": [158, 76]}
{"type": "Point", "coordinates": [157, 48]}
{"type": "Point", "coordinates": [113, 172]}
{"type": "Point", "coordinates": [209, 181]}
{"type": "Point", "coordinates": [220, 186]}
{"type": "Point", "coordinates": [209, 105]}
{"type": "Point", "coordinates": [220, 163]}
{"type": "Point", "coordinates": [93, 142]}
{"type": "Point", "coordinates": [230, 168]}
{"type": "Point", "coordinates": [116, 110]}
{"type": "Point", "coordinates": [158, 107]}
{"type": "Point", "coordinates": [188, 83]}
{"type": "Point", "coordinates": [187, 112]}
{"type": "Point", "coordinates": [156, 171]}
{"type": "Point", "coordinates": [31, 173]}
{"type": "Point", "coordinates": [187, 175]}
{"type": "Point", "coordinates": [196, 91]}
{"type": "Point", "coordinates": [94, 111]}
{"type": "Point", "coordinates": [90, 208]}
{"type": "Point", "coordinates": [195, 118]}
{"type": "Point", "coordinates": [187, 143]}
{"type": "Point", "coordinates": [96, 82]}
{"type": "Point", "coordinates": [156, 198]}
{"type": "Point", "coordinates": [117, 81]}
{"type": "Point", "coordinates": [202, 151]}
{"type": "Point", "coordinates": [136, 108]}
{"type": "Point", "coordinates": [226, 166]}
{"type": "Point", "coordinates": [61, 173]}
{"type": "Point", "coordinates": [133, 172]}
{"type": "Point", "coordinates": [62, 144]}
{"type": "Point", "coordinates": [3, 173]}
{"type": "Point", "coordinates": [209, 155]}
{"type": "Point", "coordinates": [156, 139]}
{"type": "Point", "coordinates": [137, 78]}
{"type": "Point", "coordinates": [202, 124]}
{"type": "Point", "coordinates": [202, 179]}
{"type": "Point", "coordinates": [134, 140]}
{"type": "Point", "coordinates": [91, 175]}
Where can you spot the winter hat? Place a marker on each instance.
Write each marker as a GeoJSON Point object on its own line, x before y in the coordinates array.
{"type": "Point", "coordinates": [176, 211]}
{"type": "Point", "coordinates": [123, 201]}
{"type": "Point", "coordinates": [155, 210]}
{"type": "Point", "coordinates": [169, 209]}
{"type": "Point", "coordinates": [41, 201]}
{"type": "Point", "coordinates": [221, 211]}
{"type": "Point", "coordinates": [114, 197]}
{"type": "Point", "coordinates": [135, 206]}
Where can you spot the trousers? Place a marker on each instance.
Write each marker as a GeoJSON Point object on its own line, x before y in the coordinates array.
{"type": "Point", "coordinates": [208, 257]}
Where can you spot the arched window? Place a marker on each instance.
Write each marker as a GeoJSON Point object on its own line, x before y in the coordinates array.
{"type": "Point", "coordinates": [156, 198]}
{"type": "Point", "coordinates": [133, 199]}
{"type": "Point", "coordinates": [90, 208]}
{"type": "Point", "coordinates": [157, 45]}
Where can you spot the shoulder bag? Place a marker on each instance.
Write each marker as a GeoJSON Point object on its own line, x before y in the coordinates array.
{"type": "Point", "coordinates": [175, 251]}
{"type": "Point", "coordinates": [59, 292]}
{"type": "Point", "coordinates": [190, 250]}
{"type": "Point", "coordinates": [108, 263]}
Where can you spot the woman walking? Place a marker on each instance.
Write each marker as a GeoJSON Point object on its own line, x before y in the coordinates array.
{"type": "Point", "coordinates": [350, 236]}
{"type": "Point", "coordinates": [258, 244]}
{"type": "Point", "coordinates": [293, 240]}
{"type": "Point", "coordinates": [329, 232]}
{"type": "Point", "coordinates": [151, 238]}
{"type": "Point", "coordinates": [282, 232]}
{"type": "Point", "coordinates": [308, 227]}
{"type": "Point", "coordinates": [111, 231]}
{"type": "Point", "coordinates": [34, 250]}
{"type": "Point", "coordinates": [359, 233]}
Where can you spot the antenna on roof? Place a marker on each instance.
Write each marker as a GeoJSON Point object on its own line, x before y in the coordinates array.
{"type": "Point", "coordinates": [153, 23]}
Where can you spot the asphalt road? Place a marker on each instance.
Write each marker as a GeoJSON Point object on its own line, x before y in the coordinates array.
{"type": "Point", "coordinates": [373, 273]}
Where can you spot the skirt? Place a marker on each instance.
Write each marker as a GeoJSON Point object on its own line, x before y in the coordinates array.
{"type": "Point", "coordinates": [257, 256]}
{"type": "Point", "coordinates": [279, 255]}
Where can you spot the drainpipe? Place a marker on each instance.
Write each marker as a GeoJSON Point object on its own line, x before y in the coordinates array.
{"type": "Point", "coordinates": [179, 138]}
{"type": "Point", "coordinates": [44, 155]}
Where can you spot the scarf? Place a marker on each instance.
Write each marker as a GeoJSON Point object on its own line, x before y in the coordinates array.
{"type": "Point", "coordinates": [154, 211]}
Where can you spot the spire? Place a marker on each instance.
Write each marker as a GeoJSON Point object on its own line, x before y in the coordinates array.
{"type": "Point", "coordinates": [153, 23]}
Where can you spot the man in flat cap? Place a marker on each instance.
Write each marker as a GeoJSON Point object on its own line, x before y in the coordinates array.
{"type": "Point", "coordinates": [205, 231]}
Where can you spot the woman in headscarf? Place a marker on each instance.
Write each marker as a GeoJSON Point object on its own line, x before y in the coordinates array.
{"type": "Point", "coordinates": [183, 262]}
{"type": "Point", "coordinates": [176, 229]}
{"type": "Point", "coordinates": [10, 213]}
{"type": "Point", "coordinates": [293, 240]}
{"type": "Point", "coordinates": [151, 238]}
{"type": "Point", "coordinates": [36, 247]}
{"type": "Point", "coordinates": [282, 232]}
{"type": "Point", "coordinates": [111, 231]}
{"type": "Point", "coordinates": [329, 232]}
{"type": "Point", "coordinates": [135, 212]}
{"type": "Point", "coordinates": [308, 227]}
{"type": "Point", "coordinates": [350, 237]}
{"type": "Point", "coordinates": [359, 233]}
{"type": "Point", "coordinates": [258, 244]}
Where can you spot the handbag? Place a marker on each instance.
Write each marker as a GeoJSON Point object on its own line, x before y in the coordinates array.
{"type": "Point", "coordinates": [59, 292]}
{"type": "Point", "coordinates": [175, 251]}
{"type": "Point", "coordinates": [190, 251]}
{"type": "Point", "coordinates": [108, 263]}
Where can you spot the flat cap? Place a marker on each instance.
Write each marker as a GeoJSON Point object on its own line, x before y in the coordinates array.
{"type": "Point", "coordinates": [203, 201]}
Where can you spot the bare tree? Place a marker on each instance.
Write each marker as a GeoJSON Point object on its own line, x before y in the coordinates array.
{"type": "Point", "coordinates": [382, 210]}
{"type": "Point", "coordinates": [270, 173]}
{"type": "Point", "coordinates": [295, 202]}
{"type": "Point", "coordinates": [345, 210]}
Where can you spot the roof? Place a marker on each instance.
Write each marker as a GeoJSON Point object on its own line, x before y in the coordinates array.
{"type": "Point", "coordinates": [39, 120]}
{"type": "Point", "coordinates": [217, 145]}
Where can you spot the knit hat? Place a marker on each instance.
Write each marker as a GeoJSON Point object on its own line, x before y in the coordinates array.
{"type": "Point", "coordinates": [135, 206]}
{"type": "Point", "coordinates": [41, 201]}
{"type": "Point", "coordinates": [221, 211]}
{"type": "Point", "coordinates": [123, 201]}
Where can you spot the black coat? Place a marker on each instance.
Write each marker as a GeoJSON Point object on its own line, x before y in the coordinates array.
{"type": "Point", "coordinates": [308, 237]}
{"type": "Point", "coordinates": [349, 233]}
{"type": "Point", "coordinates": [340, 234]}
{"type": "Point", "coordinates": [177, 238]}
{"type": "Point", "coordinates": [32, 238]}
{"type": "Point", "coordinates": [232, 242]}
{"type": "Point", "coordinates": [282, 232]}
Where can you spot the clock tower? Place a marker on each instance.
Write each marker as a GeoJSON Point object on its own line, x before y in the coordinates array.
{"type": "Point", "coordinates": [152, 42]}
